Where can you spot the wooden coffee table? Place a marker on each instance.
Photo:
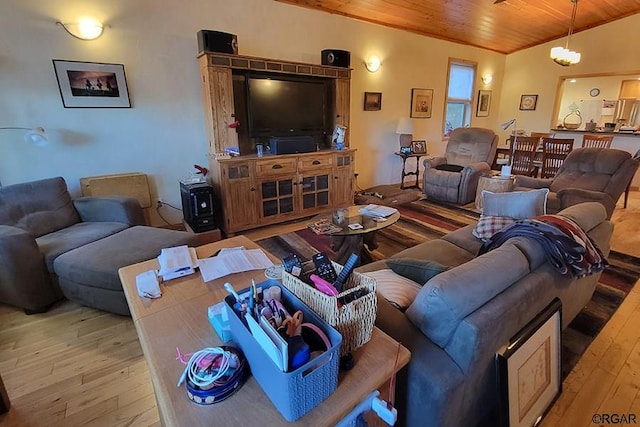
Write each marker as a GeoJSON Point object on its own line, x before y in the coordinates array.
{"type": "Point", "coordinates": [179, 319]}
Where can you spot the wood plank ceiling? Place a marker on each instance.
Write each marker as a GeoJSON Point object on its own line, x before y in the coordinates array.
{"type": "Point", "coordinates": [505, 26]}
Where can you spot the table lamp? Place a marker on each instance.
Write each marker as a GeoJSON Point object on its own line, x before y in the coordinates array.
{"type": "Point", "coordinates": [405, 130]}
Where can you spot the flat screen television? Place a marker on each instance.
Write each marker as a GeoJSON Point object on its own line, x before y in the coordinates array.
{"type": "Point", "coordinates": [282, 106]}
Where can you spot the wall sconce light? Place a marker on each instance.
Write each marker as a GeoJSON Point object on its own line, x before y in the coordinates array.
{"type": "Point", "coordinates": [35, 136]}
{"type": "Point", "coordinates": [84, 29]}
{"type": "Point", "coordinates": [487, 79]}
{"type": "Point", "coordinates": [372, 64]}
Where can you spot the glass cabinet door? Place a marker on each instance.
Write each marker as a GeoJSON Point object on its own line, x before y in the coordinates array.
{"type": "Point", "coordinates": [315, 191]}
{"type": "Point", "coordinates": [277, 197]}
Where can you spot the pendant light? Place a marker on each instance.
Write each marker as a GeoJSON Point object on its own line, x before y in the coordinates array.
{"type": "Point", "coordinates": [562, 55]}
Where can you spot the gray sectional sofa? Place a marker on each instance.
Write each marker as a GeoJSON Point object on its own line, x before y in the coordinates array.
{"type": "Point", "coordinates": [483, 301]}
{"type": "Point", "coordinates": [52, 246]}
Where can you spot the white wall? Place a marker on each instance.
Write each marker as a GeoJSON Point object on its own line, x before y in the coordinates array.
{"type": "Point", "coordinates": [163, 133]}
{"type": "Point", "coordinates": [605, 49]}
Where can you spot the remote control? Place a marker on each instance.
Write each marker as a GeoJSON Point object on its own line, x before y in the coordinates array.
{"type": "Point", "coordinates": [324, 268]}
{"type": "Point", "coordinates": [291, 264]}
{"type": "Point", "coordinates": [346, 271]}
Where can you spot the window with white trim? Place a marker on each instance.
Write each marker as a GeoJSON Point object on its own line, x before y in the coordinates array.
{"type": "Point", "coordinates": [460, 86]}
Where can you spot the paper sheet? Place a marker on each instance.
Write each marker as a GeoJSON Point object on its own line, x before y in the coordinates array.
{"type": "Point", "coordinates": [230, 262]}
{"type": "Point", "coordinates": [176, 258]}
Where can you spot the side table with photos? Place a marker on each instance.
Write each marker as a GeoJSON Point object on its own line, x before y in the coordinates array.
{"type": "Point", "coordinates": [405, 156]}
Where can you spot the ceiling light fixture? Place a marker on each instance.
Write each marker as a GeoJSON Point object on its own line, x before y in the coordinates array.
{"type": "Point", "coordinates": [562, 55]}
{"type": "Point", "coordinates": [84, 29]}
{"type": "Point", "coordinates": [35, 136]}
{"type": "Point", "coordinates": [372, 64]}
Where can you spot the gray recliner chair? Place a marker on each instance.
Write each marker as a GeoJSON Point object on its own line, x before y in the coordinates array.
{"type": "Point", "coordinates": [454, 177]}
{"type": "Point", "coordinates": [587, 175]}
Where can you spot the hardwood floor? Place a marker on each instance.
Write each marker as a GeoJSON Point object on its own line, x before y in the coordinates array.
{"type": "Point", "coordinates": [75, 366]}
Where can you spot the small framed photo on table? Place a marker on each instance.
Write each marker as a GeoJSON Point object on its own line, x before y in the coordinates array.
{"type": "Point", "coordinates": [419, 147]}
{"type": "Point", "coordinates": [529, 369]}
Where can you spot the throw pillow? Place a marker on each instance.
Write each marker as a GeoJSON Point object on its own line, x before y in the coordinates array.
{"type": "Point", "coordinates": [515, 204]}
{"type": "Point", "coordinates": [416, 270]}
{"type": "Point", "coordinates": [502, 209]}
{"type": "Point", "coordinates": [449, 168]}
{"type": "Point", "coordinates": [396, 289]}
{"type": "Point", "coordinates": [489, 225]}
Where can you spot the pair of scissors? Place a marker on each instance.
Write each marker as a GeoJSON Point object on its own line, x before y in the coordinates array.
{"type": "Point", "coordinates": [292, 325]}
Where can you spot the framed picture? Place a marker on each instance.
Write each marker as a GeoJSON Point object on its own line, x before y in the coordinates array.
{"type": "Point", "coordinates": [529, 369]}
{"type": "Point", "coordinates": [372, 101]}
{"type": "Point", "coordinates": [528, 102]}
{"type": "Point", "coordinates": [421, 100]}
{"type": "Point", "coordinates": [91, 84]}
{"type": "Point", "coordinates": [484, 103]}
{"type": "Point", "coordinates": [419, 147]}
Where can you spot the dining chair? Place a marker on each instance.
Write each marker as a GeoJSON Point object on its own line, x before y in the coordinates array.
{"type": "Point", "coordinates": [524, 155]}
{"type": "Point", "coordinates": [542, 134]}
{"type": "Point", "coordinates": [596, 141]}
{"type": "Point", "coordinates": [554, 151]}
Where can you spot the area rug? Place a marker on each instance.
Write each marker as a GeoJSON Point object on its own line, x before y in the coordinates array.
{"type": "Point", "coordinates": [422, 221]}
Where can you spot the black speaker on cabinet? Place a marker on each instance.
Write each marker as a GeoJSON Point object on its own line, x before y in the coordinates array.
{"type": "Point", "coordinates": [217, 41]}
{"type": "Point", "coordinates": [337, 58]}
{"type": "Point", "coordinates": [197, 206]}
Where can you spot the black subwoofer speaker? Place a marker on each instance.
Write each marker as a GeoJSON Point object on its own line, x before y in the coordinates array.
{"type": "Point", "coordinates": [217, 41]}
{"type": "Point", "coordinates": [337, 58]}
{"type": "Point", "coordinates": [197, 206]}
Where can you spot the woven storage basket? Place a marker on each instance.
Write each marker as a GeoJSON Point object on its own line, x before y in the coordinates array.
{"type": "Point", "coordinates": [355, 320]}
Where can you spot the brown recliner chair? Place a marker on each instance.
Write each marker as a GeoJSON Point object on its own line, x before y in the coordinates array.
{"type": "Point", "coordinates": [454, 177]}
{"type": "Point", "coordinates": [587, 175]}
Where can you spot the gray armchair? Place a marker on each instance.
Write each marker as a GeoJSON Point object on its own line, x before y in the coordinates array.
{"type": "Point", "coordinates": [587, 175]}
{"type": "Point", "coordinates": [454, 177]}
{"type": "Point", "coordinates": [38, 222]}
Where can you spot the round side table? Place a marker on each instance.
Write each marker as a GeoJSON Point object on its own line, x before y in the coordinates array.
{"type": "Point", "coordinates": [494, 183]}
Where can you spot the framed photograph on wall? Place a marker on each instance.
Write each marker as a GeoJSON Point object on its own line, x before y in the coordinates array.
{"type": "Point", "coordinates": [484, 103]}
{"type": "Point", "coordinates": [91, 84]}
{"type": "Point", "coordinates": [372, 101]}
{"type": "Point", "coordinates": [528, 102]}
{"type": "Point", "coordinates": [529, 369]}
{"type": "Point", "coordinates": [419, 147]}
{"type": "Point", "coordinates": [421, 100]}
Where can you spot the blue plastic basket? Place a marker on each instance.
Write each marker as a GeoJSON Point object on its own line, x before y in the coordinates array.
{"type": "Point", "coordinates": [296, 392]}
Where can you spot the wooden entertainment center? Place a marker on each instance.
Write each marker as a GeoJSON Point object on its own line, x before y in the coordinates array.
{"type": "Point", "coordinates": [255, 191]}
